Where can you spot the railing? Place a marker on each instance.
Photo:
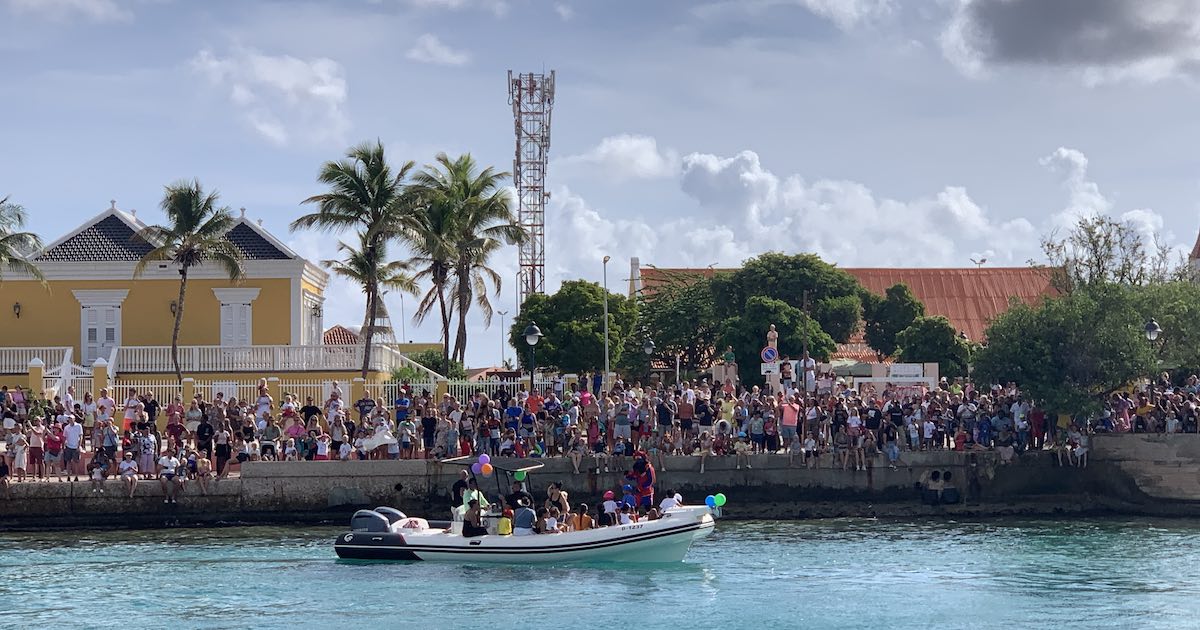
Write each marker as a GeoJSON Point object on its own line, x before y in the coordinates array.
{"type": "Point", "coordinates": [463, 390]}
{"type": "Point", "coordinates": [164, 390]}
{"type": "Point", "coordinates": [261, 359]}
{"type": "Point", "coordinates": [112, 362]}
{"type": "Point", "coordinates": [16, 360]}
{"type": "Point", "coordinates": [390, 392]}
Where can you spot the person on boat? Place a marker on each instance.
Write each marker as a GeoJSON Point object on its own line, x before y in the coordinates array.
{"type": "Point", "coordinates": [556, 497]}
{"type": "Point", "coordinates": [673, 499]}
{"type": "Point", "coordinates": [473, 520]}
{"type": "Point", "coordinates": [473, 493]}
{"type": "Point", "coordinates": [643, 479]}
{"type": "Point", "coordinates": [542, 524]}
{"type": "Point", "coordinates": [610, 508]}
{"type": "Point", "coordinates": [458, 489]}
{"type": "Point", "coordinates": [518, 497]}
{"type": "Point", "coordinates": [580, 520]}
{"type": "Point", "coordinates": [504, 526]}
{"type": "Point", "coordinates": [524, 519]}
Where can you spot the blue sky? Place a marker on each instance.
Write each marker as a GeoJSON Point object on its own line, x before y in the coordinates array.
{"type": "Point", "coordinates": [873, 132]}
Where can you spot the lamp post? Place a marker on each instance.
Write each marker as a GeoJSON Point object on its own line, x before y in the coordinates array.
{"type": "Point", "coordinates": [648, 348]}
{"type": "Point", "coordinates": [1153, 330]}
{"type": "Point", "coordinates": [604, 381]}
{"type": "Point", "coordinates": [533, 335]}
{"type": "Point", "coordinates": [502, 314]}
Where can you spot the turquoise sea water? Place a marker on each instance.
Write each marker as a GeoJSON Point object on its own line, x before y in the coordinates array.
{"type": "Point", "coordinates": [823, 574]}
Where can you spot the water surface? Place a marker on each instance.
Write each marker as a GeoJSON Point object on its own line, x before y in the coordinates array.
{"type": "Point", "coordinates": [853, 573]}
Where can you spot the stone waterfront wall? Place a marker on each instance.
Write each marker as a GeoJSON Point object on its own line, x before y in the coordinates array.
{"type": "Point", "coordinates": [1127, 474]}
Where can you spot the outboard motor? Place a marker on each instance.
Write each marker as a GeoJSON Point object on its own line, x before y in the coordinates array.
{"type": "Point", "coordinates": [369, 521]}
{"type": "Point", "coordinates": [392, 514]}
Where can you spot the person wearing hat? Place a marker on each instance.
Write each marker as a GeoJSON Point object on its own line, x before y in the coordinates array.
{"type": "Point", "coordinates": [128, 469]}
{"type": "Point", "coordinates": [610, 507]}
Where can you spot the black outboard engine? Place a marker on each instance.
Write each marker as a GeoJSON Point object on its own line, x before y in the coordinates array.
{"type": "Point", "coordinates": [369, 521]}
{"type": "Point", "coordinates": [392, 514]}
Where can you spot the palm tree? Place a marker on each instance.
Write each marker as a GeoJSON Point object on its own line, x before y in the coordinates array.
{"type": "Point", "coordinates": [364, 264]}
{"type": "Point", "coordinates": [481, 222]}
{"type": "Point", "coordinates": [429, 235]}
{"type": "Point", "coordinates": [15, 245]}
{"type": "Point", "coordinates": [366, 193]}
{"type": "Point", "coordinates": [195, 233]}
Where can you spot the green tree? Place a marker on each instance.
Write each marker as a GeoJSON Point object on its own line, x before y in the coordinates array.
{"type": "Point", "coordinates": [368, 195]}
{"type": "Point", "coordinates": [479, 209]}
{"type": "Point", "coordinates": [1176, 308]}
{"type": "Point", "coordinates": [431, 359]}
{"type": "Point", "coordinates": [1070, 351]}
{"type": "Point", "coordinates": [194, 234]}
{"type": "Point", "coordinates": [793, 279]}
{"type": "Point", "coordinates": [1100, 251]}
{"type": "Point", "coordinates": [898, 310]}
{"type": "Point", "coordinates": [572, 325]}
{"type": "Point", "coordinates": [680, 319]}
{"type": "Point", "coordinates": [16, 244]}
{"type": "Point", "coordinates": [747, 333]}
{"type": "Point", "coordinates": [934, 340]}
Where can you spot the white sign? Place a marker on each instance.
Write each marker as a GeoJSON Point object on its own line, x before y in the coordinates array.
{"type": "Point", "coordinates": [906, 370]}
{"type": "Point", "coordinates": [770, 368]}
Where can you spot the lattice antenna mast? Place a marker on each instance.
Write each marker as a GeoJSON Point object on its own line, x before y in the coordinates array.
{"type": "Point", "coordinates": [532, 99]}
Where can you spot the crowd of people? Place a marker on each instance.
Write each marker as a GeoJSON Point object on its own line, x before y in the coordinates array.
{"type": "Point", "coordinates": [813, 421]}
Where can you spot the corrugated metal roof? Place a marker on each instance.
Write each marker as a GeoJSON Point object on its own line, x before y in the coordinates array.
{"type": "Point", "coordinates": [969, 297]}
{"type": "Point", "coordinates": [340, 336]}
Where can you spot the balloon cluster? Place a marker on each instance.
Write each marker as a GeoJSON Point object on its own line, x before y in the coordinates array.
{"type": "Point", "coordinates": [483, 466]}
{"type": "Point", "coordinates": [715, 500]}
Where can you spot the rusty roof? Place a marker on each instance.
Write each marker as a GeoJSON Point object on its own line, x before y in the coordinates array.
{"type": "Point", "coordinates": [969, 297]}
{"type": "Point", "coordinates": [339, 335]}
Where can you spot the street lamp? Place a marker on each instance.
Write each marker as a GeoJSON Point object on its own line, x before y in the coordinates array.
{"type": "Point", "coordinates": [502, 333]}
{"type": "Point", "coordinates": [648, 348]}
{"type": "Point", "coordinates": [1153, 330]}
{"type": "Point", "coordinates": [605, 379]}
{"type": "Point", "coordinates": [533, 335]}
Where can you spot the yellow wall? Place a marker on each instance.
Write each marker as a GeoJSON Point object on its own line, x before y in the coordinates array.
{"type": "Point", "coordinates": [51, 317]}
{"type": "Point", "coordinates": [418, 347]}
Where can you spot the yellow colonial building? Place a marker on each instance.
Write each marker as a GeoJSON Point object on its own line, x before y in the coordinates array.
{"type": "Point", "coordinates": [92, 311]}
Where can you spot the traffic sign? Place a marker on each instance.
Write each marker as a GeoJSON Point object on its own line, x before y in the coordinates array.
{"type": "Point", "coordinates": [769, 354]}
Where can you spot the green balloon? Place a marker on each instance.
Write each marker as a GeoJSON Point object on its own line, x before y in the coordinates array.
{"type": "Point", "coordinates": [519, 475]}
{"type": "Point", "coordinates": [720, 497]}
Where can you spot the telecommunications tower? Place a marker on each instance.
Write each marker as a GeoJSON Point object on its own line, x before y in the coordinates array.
{"type": "Point", "coordinates": [532, 99]}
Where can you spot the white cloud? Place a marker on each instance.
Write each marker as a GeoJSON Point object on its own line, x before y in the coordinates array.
{"type": "Point", "coordinates": [847, 14]}
{"type": "Point", "coordinates": [1084, 196]}
{"type": "Point", "coordinates": [96, 10]}
{"type": "Point", "coordinates": [628, 156]}
{"type": "Point", "coordinates": [283, 98]}
{"type": "Point", "coordinates": [429, 49]}
{"type": "Point", "coordinates": [496, 7]}
{"type": "Point", "coordinates": [564, 11]}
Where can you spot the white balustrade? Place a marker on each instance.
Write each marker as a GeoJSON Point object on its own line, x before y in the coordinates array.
{"type": "Point", "coordinates": [16, 360]}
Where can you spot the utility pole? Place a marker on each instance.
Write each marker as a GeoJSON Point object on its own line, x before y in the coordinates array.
{"type": "Point", "coordinates": [502, 344]}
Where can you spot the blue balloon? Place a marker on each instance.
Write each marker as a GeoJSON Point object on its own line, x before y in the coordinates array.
{"type": "Point", "coordinates": [710, 501]}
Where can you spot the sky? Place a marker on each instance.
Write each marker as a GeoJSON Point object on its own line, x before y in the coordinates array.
{"type": "Point", "coordinates": [872, 132]}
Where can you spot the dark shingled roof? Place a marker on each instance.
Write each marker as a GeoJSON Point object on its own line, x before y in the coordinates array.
{"type": "Point", "coordinates": [252, 244]}
{"type": "Point", "coordinates": [110, 239]}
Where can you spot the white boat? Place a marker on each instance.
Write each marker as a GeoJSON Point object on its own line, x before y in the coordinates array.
{"type": "Point", "coordinates": [388, 534]}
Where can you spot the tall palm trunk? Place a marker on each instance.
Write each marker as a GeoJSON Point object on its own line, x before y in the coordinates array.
{"type": "Point", "coordinates": [441, 295]}
{"type": "Point", "coordinates": [183, 276]}
{"type": "Point", "coordinates": [464, 303]}
{"type": "Point", "coordinates": [368, 330]}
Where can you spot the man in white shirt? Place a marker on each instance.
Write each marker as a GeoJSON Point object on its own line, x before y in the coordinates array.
{"type": "Point", "coordinates": [72, 440]}
{"type": "Point", "coordinates": [107, 404]}
{"type": "Point", "coordinates": [168, 464]}
{"type": "Point", "coordinates": [673, 499]}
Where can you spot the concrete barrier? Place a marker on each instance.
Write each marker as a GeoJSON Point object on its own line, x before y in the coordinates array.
{"type": "Point", "coordinates": [1127, 474]}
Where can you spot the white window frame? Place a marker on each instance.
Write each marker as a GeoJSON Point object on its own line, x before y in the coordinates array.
{"type": "Point", "coordinates": [92, 298]}
{"type": "Point", "coordinates": [236, 297]}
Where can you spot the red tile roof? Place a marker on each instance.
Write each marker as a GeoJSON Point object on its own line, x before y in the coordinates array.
{"type": "Point", "coordinates": [969, 297]}
{"type": "Point", "coordinates": [340, 336]}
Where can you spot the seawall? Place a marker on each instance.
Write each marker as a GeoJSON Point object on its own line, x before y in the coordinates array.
{"type": "Point", "coordinates": [1128, 474]}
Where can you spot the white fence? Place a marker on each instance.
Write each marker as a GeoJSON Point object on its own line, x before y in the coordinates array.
{"type": "Point", "coordinates": [390, 392]}
{"type": "Point", "coordinates": [164, 390]}
{"type": "Point", "coordinates": [261, 359]}
{"type": "Point", "coordinates": [16, 360]}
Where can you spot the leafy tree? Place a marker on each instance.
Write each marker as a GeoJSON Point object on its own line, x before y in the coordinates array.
{"type": "Point", "coordinates": [802, 281]}
{"type": "Point", "coordinates": [479, 209]}
{"type": "Point", "coordinates": [898, 310]}
{"type": "Point", "coordinates": [1101, 250]}
{"type": "Point", "coordinates": [1068, 352]}
{"type": "Point", "coordinates": [431, 359]}
{"type": "Point", "coordinates": [1176, 308]}
{"type": "Point", "coordinates": [194, 233]}
{"type": "Point", "coordinates": [934, 340]}
{"type": "Point", "coordinates": [747, 333]}
{"type": "Point", "coordinates": [367, 194]}
{"type": "Point", "coordinates": [680, 319]}
{"type": "Point", "coordinates": [15, 244]}
{"type": "Point", "coordinates": [572, 325]}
